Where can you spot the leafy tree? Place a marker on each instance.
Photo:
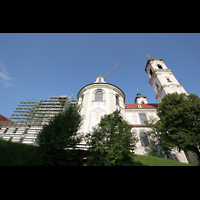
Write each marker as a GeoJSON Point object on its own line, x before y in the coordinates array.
{"type": "Point", "coordinates": [154, 143]}
{"type": "Point", "coordinates": [111, 141]}
{"type": "Point", "coordinates": [59, 134]}
{"type": "Point", "coordinates": [179, 124]}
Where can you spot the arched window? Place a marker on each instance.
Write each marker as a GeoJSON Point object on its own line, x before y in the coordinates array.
{"type": "Point", "coordinates": [151, 72]}
{"type": "Point", "coordinates": [99, 96]}
{"type": "Point", "coordinates": [159, 66]}
{"type": "Point", "coordinates": [82, 99]}
{"type": "Point", "coordinates": [117, 100]}
{"type": "Point", "coordinates": [172, 156]}
{"type": "Point", "coordinates": [144, 139]}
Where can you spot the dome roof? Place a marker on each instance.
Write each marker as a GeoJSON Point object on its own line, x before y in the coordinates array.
{"type": "Point", "coordinates": [100, 81]}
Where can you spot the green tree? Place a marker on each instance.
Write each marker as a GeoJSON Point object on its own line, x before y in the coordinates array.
{"type": "Point", "coordinates": [179, 123]}
{"type": "Point", "coordinates": [111, 141]}
{"type": "Point", "coordinates": [154, 143]}
{"type": "Point", "coordinates": [60, 134]}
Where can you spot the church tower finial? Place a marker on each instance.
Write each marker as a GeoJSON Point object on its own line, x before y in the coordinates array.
{"type": "Point", "coordinates": [140, 99]}
{"type": "Point", "coordinates": [148, 55]}
{"type": "Point", "coordinates": [100, 79]}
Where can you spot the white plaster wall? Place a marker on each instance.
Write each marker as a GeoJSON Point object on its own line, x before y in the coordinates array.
{"type": "Point", "coordinates": [132, 115]}
{"type": "Point", "coordinates": [93, 110]}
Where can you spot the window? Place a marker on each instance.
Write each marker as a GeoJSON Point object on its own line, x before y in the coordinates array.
{"type": "Point", "coordinates": [168, 80]}
{"type": "Point", "coordinates": [144, 139]}
{"type": "Point", "coordinates": [157, 86]}
{"type": "Point", "coordinates": [82, 99]}
{"type": "Point", "coordinates": [99, 96]}
{"type": "Point", "coordinates": [172, 156]}
{"type": "Point", "coordinates": [117, 100]}
{"type": "Point", "coordinates": [159, 66]}
{"type": "Point", "coordinates": [143, 118]}
{"type": "Point", "coordinates": [151, 72]}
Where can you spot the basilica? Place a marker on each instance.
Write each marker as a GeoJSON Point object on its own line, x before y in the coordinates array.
{"type": "Point", "coordinates": [98, 99]}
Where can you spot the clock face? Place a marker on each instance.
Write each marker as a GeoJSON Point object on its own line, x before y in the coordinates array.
{"type": "Point", "coordinates": [173, 87]}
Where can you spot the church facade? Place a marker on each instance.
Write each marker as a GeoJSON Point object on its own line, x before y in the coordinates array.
{"type": "Point", "coordinates": [100, 98]}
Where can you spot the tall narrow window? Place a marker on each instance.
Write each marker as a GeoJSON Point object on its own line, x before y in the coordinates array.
{"type": "Point", "coordinates": [117, 100]}
{"type": "Point", "coordinates": [99, 96]}
{"type": "Point", "coordinates": [151, 72]}
{"type": "Point", "coordinates": [82, 99]}
{"type": "Point", "coordinates": [144, 139]}
{"type": "Point", "coordinates": [157, 86]}
{"type": "Point", "coordinates": [143, 118]}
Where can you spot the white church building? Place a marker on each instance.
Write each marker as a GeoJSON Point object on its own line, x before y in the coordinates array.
{"type": "Point", "coordinates": [100, 98]}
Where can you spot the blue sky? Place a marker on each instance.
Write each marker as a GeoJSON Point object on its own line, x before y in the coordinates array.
{"type": "Point", "coordinates": [37, 65]}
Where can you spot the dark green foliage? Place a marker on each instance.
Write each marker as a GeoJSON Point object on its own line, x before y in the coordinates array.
{"type": "Point", "coordinates": [110, 142]}
{"type": "Point", "coordinates": [15, 154]}
{"type": "Point", "coordinates": [179, 123]}
{"type": "Point", "coordinates": [59, 134]}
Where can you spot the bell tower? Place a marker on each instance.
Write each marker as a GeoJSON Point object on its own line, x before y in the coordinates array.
{"type": "Point", "coordinates": [140, 99]}
{"type": "Point", "coordinates": [162, 79]}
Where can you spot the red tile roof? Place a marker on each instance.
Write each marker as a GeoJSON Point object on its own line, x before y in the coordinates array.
{"type": "Point", "coordinates": [135, 106]}
{"type": "Point", "coordinates": [4, 119]}
{"type": "Point", "coordinates": [138, 125]}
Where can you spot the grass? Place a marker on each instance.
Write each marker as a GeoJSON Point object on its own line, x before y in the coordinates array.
{"type": "Point", "coordinates": [140, 160]}
{"type": "Point", "coordinates": [18, 154]}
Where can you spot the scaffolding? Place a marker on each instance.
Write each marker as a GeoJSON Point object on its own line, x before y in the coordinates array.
{"type": "Point", "coordinates": [30, 116]}
{"type": "Point", "coordinates": [31, 112]}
